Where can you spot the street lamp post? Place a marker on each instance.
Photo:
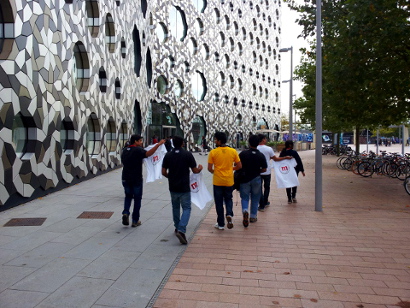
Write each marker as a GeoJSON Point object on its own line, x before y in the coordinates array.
{"type": "Point", "coordinates": [290, 90]}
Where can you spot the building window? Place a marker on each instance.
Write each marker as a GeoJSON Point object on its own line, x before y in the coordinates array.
{"type": "Point", "coordinates": [123, 134]}
{"type": "Point", "coordinates": [178, 88]}
{"type": "Point", "coordinates": [102, 77]}
{"type": "Point", "coordinates": [137, 51]}
{"type": "Point", "coordinates": [123, 48]}
{"type": "Point", "coordinates": [162, 32]}
{"type": "Point", "coordinates": [200, 5]}
{"type": "Point", "coordinates": [81, 67]}
{"type": "Point", "coordinates": [93, 137]}
{"type": "Point", "coordinates": [110, 33]}
{"type": "Point", "coordinates": [19, 135]}
{"type": "Point", "coordinates": [178, 24]}
{"type": "Point", "coordinates": [162, 85]}
{"type": "Point", "coordinates": [117, 89]}
{"type": "Point", "coordinates": [199, 86]}
{"type": "Point", "coordinates": [205, 52]}
{"type": "Point", "coordinates": [111, 136]}
{"type": "Point", "coordinates": [67, 136]}
{"type": "Point", "coordinates": [93, 16]}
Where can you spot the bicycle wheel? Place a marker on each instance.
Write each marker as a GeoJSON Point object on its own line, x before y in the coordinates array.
{"type": "Point", "coordinates": [365, 169]}
{"type": "Point", "coordinates": [403, 171]}
{"type": "Point", "coordinates": [339, 162]}
{"type": "Point", "coordinates": [407, 184]}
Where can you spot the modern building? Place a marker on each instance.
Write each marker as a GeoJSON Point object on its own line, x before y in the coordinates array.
{"type": "Point", "coordinates": [77, 77]}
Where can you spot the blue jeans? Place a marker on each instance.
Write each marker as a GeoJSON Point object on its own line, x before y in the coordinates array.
{"type": "Point", "coordinates": [265, 179]}
{"type": "Point", "coordinates": [179, 200]}
{"type": "Point", "coordinates": [251, 190]}
{"type": "Point", "coordinates": [132, 192]}
{"type": "Point", "coordinates": [223, 194]}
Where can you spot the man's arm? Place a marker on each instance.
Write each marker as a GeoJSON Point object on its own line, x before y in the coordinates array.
{"type": "Point", "coordinates": [197, 169]}
{"type": "Point", "coordinates": [211, 167]}
{"type": "Point", "coordinates": [275, 158]}
{"type": "Point", "coordinates": [156, 146]}
{"type": "Point", "coordinates": [165, 172]}
{"type": "Point", "coordinates": [237, 166]}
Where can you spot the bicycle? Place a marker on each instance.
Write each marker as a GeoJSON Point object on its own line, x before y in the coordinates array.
{"type": "Point", "coordinates": [407, 184]}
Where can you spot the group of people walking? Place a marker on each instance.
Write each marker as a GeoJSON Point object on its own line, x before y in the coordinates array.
{"type": "Point", "coordinates": [254, 164]}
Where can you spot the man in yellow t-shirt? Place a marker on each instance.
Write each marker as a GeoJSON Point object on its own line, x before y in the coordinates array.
{"type": "Point", "coordinates": [222, 161]}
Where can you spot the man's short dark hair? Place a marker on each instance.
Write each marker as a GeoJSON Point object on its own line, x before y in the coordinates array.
{"type": "Point", "coordinates": [261, 137]}
{"type": "Point", "coordinates": [253, 141]}
{"type": "Point", "coordinates": [135, 138]}
{"type": "Point", "coordinates": [177, 141]}
{"type": "Point", "coordinates": [221, 136]}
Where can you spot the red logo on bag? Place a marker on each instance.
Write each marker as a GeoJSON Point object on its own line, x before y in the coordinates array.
{"type": "Point", "coordinates": [194, 185]}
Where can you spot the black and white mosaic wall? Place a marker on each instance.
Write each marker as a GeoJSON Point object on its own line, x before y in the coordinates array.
{"type": "Point", "coordinates": [78, 76]}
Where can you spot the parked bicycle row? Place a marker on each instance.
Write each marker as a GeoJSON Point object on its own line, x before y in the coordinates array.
{"type": "Point", "coordinates": [393, 165]}
{"type": "Point", "coordinates": [333, 150]}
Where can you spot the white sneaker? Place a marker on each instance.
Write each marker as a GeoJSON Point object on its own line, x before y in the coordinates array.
{"type": "Point", "coordinates": [219, 227]}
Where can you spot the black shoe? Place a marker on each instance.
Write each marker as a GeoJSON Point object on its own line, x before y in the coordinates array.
{"type": "Point", "coordinates": [261, 209]}
{"type": "Point", "coordinates": [245, 221]}
{"type": "Point", "coordinates": [229, 220]}
{"type": "Point", "coordinates": [181, 237]}
{"type": "Point", "coordinates": [125, 220]}
{"type": "Point", "coordinates": [267, 204]}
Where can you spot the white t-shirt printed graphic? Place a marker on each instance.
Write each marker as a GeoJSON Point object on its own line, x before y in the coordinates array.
{"type": "Point", "coordinates": [200, 195]}
{"type": "Point", "coordinates": [154, 163]}
{"type": "Point", "coordinates": [285, 173]}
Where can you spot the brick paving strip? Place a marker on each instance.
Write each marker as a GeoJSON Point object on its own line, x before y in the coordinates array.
{"type": "Point", "coordinates": [356, 253]}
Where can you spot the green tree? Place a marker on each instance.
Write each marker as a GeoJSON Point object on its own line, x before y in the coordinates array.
{"type": "Point", "coordinates": [366, 63]}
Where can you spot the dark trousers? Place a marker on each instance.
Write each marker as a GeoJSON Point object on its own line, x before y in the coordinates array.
{"type": "Point", "coordinates": [223, 194]}
{"type": "Point", "coordinates": [291, 192]}
{"type": "Point", "coordinates": [265, 187]}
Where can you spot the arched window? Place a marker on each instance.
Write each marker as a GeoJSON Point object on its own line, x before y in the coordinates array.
{"type": "Point", "coordinates": [178, 24]}
{"type": "Point", "coordinates": [111, 136]}
{"type": "Point", "coordinates": [199, 87]}
{"type": "Point", "coordinates": [93, 16]}
{"type": "Point", "coordinates": [81, 69]}
{"type": "Point", "coordinates": [93, 137]}
{"type": "Point", "coordinates": [117, 89]}
{"type": "Point", "coordinates": [137, 51]}
{"type": "Point", "coordinates": [123, 134]}
{"type": "Point", "coordinates": [6, 28]}
{"type": "Point", "coordinates": [67, 136]}
{"type": "Point", "coordinates": [123, 48]}
{"type": "Point", "coordinates": [110, 33]}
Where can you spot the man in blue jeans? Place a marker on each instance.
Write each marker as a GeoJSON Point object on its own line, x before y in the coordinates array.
{"type": "Point", "coordinates": [176, 167]}
{"type": "Point", "coordinates": [222, 162]}
{"type": "Point", "coordinates": [253, 164]}
{"type": "Point", "coordinates": [132, 157]}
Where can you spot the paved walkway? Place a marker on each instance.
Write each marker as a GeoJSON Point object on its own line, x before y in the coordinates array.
{"type": "Point", "coordinates": [356, 253]}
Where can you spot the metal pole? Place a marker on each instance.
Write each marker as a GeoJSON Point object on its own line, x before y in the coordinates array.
{"type": "Point", "coordinates": [291, 95]}
{"type": "Point", "coordinates": [318, 153]}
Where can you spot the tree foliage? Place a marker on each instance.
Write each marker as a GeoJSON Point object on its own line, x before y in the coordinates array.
{"type": "Point", "coordinates": [366, 63]}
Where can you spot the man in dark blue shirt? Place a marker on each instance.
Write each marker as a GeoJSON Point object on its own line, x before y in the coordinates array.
{"type": "Point", "coordinates": [176, 167]}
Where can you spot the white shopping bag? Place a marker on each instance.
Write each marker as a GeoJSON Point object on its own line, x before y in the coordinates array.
{"type": "Point", "coordinates": [200, 195]}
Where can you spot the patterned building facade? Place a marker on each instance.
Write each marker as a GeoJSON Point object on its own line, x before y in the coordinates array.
{"type": "Point", "coordinates": [77, 77]}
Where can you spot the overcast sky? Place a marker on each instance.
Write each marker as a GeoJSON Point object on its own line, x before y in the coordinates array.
{"type": "Point", "coordinates": [290, 32]}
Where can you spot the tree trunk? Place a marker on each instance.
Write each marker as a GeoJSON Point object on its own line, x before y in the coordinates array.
{"type": "Point", "coordinates": [357, 139]}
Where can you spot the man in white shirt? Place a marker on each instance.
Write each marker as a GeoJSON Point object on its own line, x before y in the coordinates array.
{"type": "Point", "coordinates": [266, 176]}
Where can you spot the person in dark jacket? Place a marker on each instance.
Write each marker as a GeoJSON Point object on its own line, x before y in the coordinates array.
{"type": "Point", "coordinates": [289, 151]}
{"type": "Point", "coordinates": [253, 164]}
{"type": "Point", "coordinates": [132, 158]}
